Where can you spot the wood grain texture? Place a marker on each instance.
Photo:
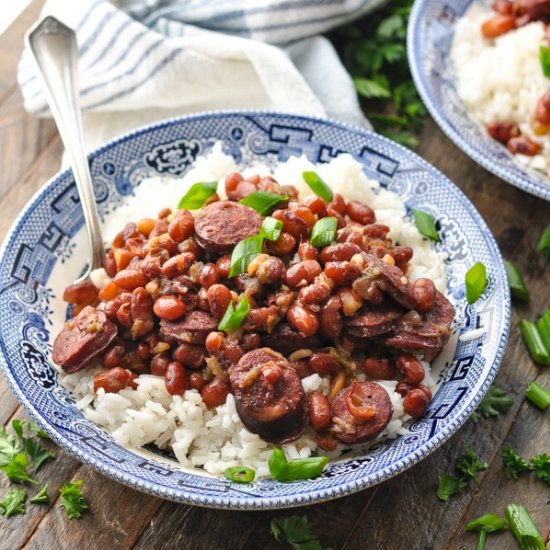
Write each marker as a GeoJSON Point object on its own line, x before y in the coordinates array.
{"type": "Point", "coordinates": [402, 513]}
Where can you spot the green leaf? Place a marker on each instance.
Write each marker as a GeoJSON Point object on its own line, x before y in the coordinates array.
{"type": "Point", "coordinates": [245, 251]}
{"type": "Point", "coordinates": [495, 402]}
{"type": "Point", "coordinates": [262, 201]}
{"type": "Point", "coordinates": [37, 453]}
{"type": "Point", "coordinates": [72, 499]}
{"type": "Point", "coordinates": [13, 503]}
{"type": "Point", "coordinates": [197, 195]}
{"type": "Point", "coordinates": [233, 317]}
{"type": "Point", "coordinates": [9, 447]}
{"type": "Point", "coordinates": [469, 465]}
{"type": "Point", "coordinates": [425, 224]}
{"type": "Point", "coordinates": [390, 26]}
{"type": "Point", "coordinates": [42, 496]}
{"type": "Point", "coordinates": [16, 469]}
{"type": "Point", "coordinates": [296, 531]}
{"type": "Point", "coordinates": [540, 464]}
{"type": "Point", "coordinates": [544, 56]}
{"type": "Point", "coordinates": [371, 88]}
{"type": "Point", "coordinates": [513, 463]}
{"type": "Point", "coordinates": [271, 228]}
{"type": "Point", "coordinates": [449, 486]}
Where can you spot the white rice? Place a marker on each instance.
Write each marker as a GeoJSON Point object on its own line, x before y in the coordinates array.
{"type": "Point", "coordinates": [501, 80]}
{"type": "Point", "coordinates": [215, 439]}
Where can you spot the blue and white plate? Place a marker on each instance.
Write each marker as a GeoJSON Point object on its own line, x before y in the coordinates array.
{"type": "Point", "coordinates": [429, 39]}
{"type": "Point", "coordinates": [46, 250]}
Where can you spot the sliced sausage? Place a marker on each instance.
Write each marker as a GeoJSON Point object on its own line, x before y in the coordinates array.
{"type": "Point", "coordinates": [429, 334]}
{"type": "Point", "coordinates": [373, 322]}
{"type": "Point", "coordinates": [82, 339]}
{"type": "Point", "coordinates": [287, 340]}
{"type": "Point", "coordinates": [269, 396]}
{"type": "Point", "coordinates": [390, 279]}
{"type": "Point", "coordinates": [351, 429]}
{"type": "Point", "coordinates": [192, 329]}
{"type": "Point", "coordinates": [221, 225]}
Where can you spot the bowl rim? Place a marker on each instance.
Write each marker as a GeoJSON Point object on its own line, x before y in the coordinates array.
{"type": "Point", "coordinates": [187, 495]}
{"type": "Point", "coordinates": [414, 48]}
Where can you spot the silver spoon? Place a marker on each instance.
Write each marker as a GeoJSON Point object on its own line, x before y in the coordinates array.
{"type": "Point", "coordinates": [54, 50]}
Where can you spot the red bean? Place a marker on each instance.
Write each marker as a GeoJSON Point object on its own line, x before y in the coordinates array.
{"type": "Point", "coordinates": [112, 380]}
{"type": "Point", "coordinates": [323, 363]}
{"type": "Point", "coordinates": [224, 265]}
{"type": "Point", "coordinates": [159, 364]}
{"type": "Point", "coordinates": [250, 341]}
{"type": "Point", "coordinates": [331, 319]}
{"type": "Point", "coordinates": [314, 294]}
{"type": "Point", "coordinates": [182, 226]}
{"type": "Point", "coordinates": [296, 221]}
{"type": "Point", "coordinates": [402, 255]}
{"type": "Point", "coordinates": [306, 251]}
{"type": "Point", "coordinates": [129, 279]}
{"type": "Point", "coordinates": [175, 378]}
{"type": "Point", "coordinates": [283, 246]}
{"type": "Point", "coordinates": [302, 273]}
{"type": "Point", "coordinates": [124, 315]}
{"type": "Point", "coordinates": [317, 205]}
{"type": "Point", "coordinates": [303, 320]}
{"type": "Point", "coordinates": [209, 275]}
{"type": "Point", "coordinates": [170, 308]}
{"type": "Point", "coordinates": [214, 342]}
{"type": "Point", "coordinates": [232, 180]}
{"type": "Point", "coordinates": [219, 297]}
{"type": "Point", "coordinates": [196, 381]}
{"type": "Point", "coordinates": [270, 270]}
{"type": "Point", "coordinates": [189, 355]}
{"type": "Point", "coordinates": [379, 368]}
{"type": "Point", "coordinates": [342, 273]}
{"type": "Point", "coordinates": [231, 352]}
{"type": "Point", "coordinates": [84, 292]}
{"type": "Point", "coordinates": [177, 265]}
{"type": "Point", "coordinates": [114, 356]}
{"type": "Point", "coordinates": [522, 145]}
{"type": "Point", "coordinates": [424, 294]}
{"type": "Point", "coordinates": [215, 393]}
{"type": "Point", "coordinates": [416, 403]}
{"type": "Point", "coordinates": [319, 410]}
{"type": "Point", "coordinates": [498, 25]}
{"type": "Point", "coordinates": [403, 388]}
{"type": "Point", "coordinates": [338, 204]}
{"type": "Point", "coordinates": [411, 368]}
{"type": "Point", "coordinates": [360, 212]}
{"type": "Point", "coordinates": [503, 131]}
{"type": "Point", "coordinates": [339, 252]}
{"type": "Point", "coordinates": [302, 368]}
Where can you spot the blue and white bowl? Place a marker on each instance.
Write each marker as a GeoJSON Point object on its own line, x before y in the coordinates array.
{"type": "Point", "coordinates": [429, 39]}
{"type": "Point", "coordinates": [46, 250]}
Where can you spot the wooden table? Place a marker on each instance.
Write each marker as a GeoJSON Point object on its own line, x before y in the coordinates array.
{"type": "Point", "coordinates": [402, 513]}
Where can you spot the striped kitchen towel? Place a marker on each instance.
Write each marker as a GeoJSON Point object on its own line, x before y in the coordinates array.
{"type": "Point", "coordinates": [145, 60]}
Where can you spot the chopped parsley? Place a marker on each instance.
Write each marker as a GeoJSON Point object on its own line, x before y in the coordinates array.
{"type": "Point", "coordinates": [13, 502]}
{"type": "Point", "coordinates": [495, 402]}
{"type": "Point", "coordinates": [467, 468]}
{"type": "Point", "coordinates": [296, 531]}
{"type": "Point", "coordinates": [514, 465]}
{"type": "Point", "coordinates": [72, 499]}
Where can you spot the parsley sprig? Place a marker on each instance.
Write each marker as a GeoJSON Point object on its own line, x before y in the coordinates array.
{"type": "Point", "coordinates": [467, 468]}
{"type": "Point", "coordinates": [514, 464]}
{"type": "Point", "coordinates": [72, 499]}
{"type": "Point", "coordinates": [296, 531]}
{"type": "Point", "coordinates": [495, 402]}
{"type": "Point", "coordinates": [373, 49]}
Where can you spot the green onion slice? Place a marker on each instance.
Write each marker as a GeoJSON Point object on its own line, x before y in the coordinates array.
{"type": "Point", "coordinates": [543, 326]}
{"type": "Point", "coordinates": [487, 522]}
{"type": "Point", "coordinates": [271, 228]}
{"type": "Point", "coordinates": [476, 281]}
{"type": "Point", "coordinates": [544, 242]}
{"type": "Point", "coordinates": [262, 201]}
{"type": "Point", "coordinates": [197, 195]}
{"type": "Point", "coordinates": [425, 224]}
{"type": "Point", "coordinates": [324, 232]}
{"type": "Point", "coordinates": [245, 251]}
{"type": "Point", "coordinates": [534, 342]}
{"type": "Point", "coordinates": [515, 280]}
{"type": "Point", "coordinates": [538, 395]}
{"type": "Point", "coordinates": [277, 463]}
{"type": "Point", "coordinates": [240, 474]}
{"type": "Point", "coordinates": [294, 470]}
{"type": "Point", "coordinates": [233, 317]}
{"type": "Point", "coordinates": [544, 56]}
{"type": "Point", "coordinates": [524, 529]}
{"type": "Point", "coordinates": [318, 186]}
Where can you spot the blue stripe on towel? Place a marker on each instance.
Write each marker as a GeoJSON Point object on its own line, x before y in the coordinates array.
{"type": "Point", "coordinates": [117, 33]}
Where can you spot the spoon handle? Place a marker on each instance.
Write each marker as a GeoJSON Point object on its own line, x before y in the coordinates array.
{"type": "Point", "coordinates": [54, 49]}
